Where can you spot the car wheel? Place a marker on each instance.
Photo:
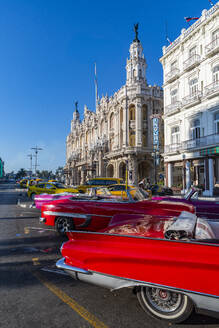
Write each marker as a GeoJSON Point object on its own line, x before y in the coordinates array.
{"type": "Point", "coordinates": [63, 225]}
{"type": "Point", "coordinates": [32, 196]}
{"type": "Point", "coordinates": [165, 304]}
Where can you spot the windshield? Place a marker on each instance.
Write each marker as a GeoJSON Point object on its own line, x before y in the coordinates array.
{"type": "Point", "coordinates": [188, 193]}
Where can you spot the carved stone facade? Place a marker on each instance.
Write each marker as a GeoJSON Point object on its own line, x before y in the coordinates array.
{"type": "Point", "coordinates": [119, 133]}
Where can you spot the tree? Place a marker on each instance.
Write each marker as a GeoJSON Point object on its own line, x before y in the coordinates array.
{"type": "Point", "coordinates": [21, 173]}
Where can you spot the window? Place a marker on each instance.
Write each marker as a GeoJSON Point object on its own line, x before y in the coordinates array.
{"type": "Point", "coordinates": [40, 185]}
{"type": "Point", "coordinates": [195, 129]}
{"type": "Point", "coordinates": [215, 35]}
{"type": "Point", "coordinates": [175, 135]}
{"type": "Point", "coordinates": [193, 87]}
{"type": "Point", "coordinates": [132, 113]}
{"type": "Point", "coordinates": [216, 123]}
{"type": "Point", "coordinates": [144, 112]}
{"type": "Point", "coordinates": [192, 52]}
{"type": "Point", "coordinates": [173, 65]}
{"type": "Point", "coordinates": [112, 121]}
{"type": "Point", "coordinates": [49, 186]}
{"type": "Point", "coordinates": [173, 95]}
{"type": "Point", "coordinates": [216, 74]}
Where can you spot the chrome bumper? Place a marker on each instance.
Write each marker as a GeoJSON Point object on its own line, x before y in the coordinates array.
{"type": "Point", "coordinates": [62, 265]}
{"type": "Point", "coordinates": [42, 220]}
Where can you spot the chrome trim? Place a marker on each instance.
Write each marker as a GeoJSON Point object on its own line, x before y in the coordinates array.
{"type": "Point", "coordinates": [71, 215]}
{"type": "Point", "coordinates": [74, 215]}
{"type": "Point", "coordinates": [202, 301]}
{"type": "Point", "coordinates": [42, 220]}
{"type": "Point", "coordinates": [62, 265]}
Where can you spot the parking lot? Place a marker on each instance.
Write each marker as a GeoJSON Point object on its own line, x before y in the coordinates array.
{"type": "Point", "coordinates": [34, 293]}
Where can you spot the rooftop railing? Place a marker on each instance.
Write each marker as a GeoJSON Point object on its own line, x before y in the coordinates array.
{"type": "Point", "coordinates": [206, 14]}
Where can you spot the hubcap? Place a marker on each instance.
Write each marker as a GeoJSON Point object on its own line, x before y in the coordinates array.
{"type": "Point", "coordinates": [63, 225]}
{"type": "Point", "coordinates": [163, 300]}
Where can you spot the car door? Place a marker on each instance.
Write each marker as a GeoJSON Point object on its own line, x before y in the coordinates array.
{"type": "Point", "coordinates": [50, 188]}
{"type": "Point", "coordinates": [206, 208]}
{"type": "Point", "coordinates": [39, 188]}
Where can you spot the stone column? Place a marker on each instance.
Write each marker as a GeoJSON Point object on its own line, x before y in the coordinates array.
{"type": "Point", "coordinates": [188, 175]}
{"type": "Point", "coordinates": [132, 170]}
{"type": "Point", "coordinates": [138, 125]}
{"type": "Point", "coordinates": [170, 174]}
{"type": "Point", "coordinates": [211, 176]}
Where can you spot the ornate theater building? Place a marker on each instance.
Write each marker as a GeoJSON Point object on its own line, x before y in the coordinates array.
{"type": "Point", "coordinates": [119, 133]}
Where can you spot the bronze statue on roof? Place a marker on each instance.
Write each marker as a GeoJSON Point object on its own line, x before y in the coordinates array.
{"type": "Point", "coordinates": [136, 32]}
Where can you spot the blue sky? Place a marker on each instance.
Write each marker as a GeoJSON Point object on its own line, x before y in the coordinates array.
{"type": "Point", "coordinates": [47, 55]}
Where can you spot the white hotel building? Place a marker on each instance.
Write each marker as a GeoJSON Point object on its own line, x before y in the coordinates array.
{"type": "Point", "coordinates": [191, 104]}
{"type": "Point", "coordinates": [119, 132]}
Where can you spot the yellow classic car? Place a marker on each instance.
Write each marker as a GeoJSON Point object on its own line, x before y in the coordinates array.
{"type": "Point", "coordinates": [49, 188]}
{"type": "Point", "coordinates": [23, 183]}
{"type": "Point", "coordinates": [98, 182]}
{"type": "Point", "coordinates": [120, 190]}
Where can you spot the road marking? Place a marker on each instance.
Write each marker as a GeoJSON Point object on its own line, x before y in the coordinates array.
{"type": "Point", "coordinates": [35, 261]}
{"type": "Point", "coordinates": [42, 229]}
{"type": "Point", "coordinates": [95, 322]}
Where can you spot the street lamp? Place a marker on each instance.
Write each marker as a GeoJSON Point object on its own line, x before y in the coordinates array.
{"type": "Point", "coordinates": [36, 152]}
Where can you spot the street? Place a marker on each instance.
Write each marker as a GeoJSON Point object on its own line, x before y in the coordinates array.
{"type": "Point", "coordinates": [34, 293]}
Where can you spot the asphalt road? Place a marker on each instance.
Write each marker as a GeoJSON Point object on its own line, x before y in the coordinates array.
{"type": "Point", "coordinates": [34, 294]}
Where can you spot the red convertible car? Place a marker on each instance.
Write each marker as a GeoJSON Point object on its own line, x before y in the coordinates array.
{"type": "Point", "coordinates": [168, 262]}
{"type": "Point", "coordinates": [94, 213]}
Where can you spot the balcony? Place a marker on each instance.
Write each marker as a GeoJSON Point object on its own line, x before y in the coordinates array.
{"type": "Point", "coordinates": [207, 141]}
{"type": "Point", "coordinates": [191, 62]}
{"type": "Point", "coordinates": [173, 108]}
{"type": "Point", "coordinates": [212, 48]}
{"type": "Point", "coordinates": [173, 148]}
{"type": "Point", "coordinates": [172, 75]}
{"type": "Point", "coordinates": [212, 89]}
{"type": "Point", "coordinates": [192, 99]}
{"type": "Point", "coordinates": [194, 144]}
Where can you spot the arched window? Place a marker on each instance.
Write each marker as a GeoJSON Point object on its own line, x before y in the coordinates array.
{"type": "Point", "coordinates": [144, 139]}
{"type": "Point", "coordinates": [132, 113]}
{"type": "Point", "coordinates": [144, 112]}
{"type": "Point", "coordinates": [132, 139]}
{"type": "Point", "coordinates": [101, 127]}
{"type": "Point", "coordinates": [112, 121]}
